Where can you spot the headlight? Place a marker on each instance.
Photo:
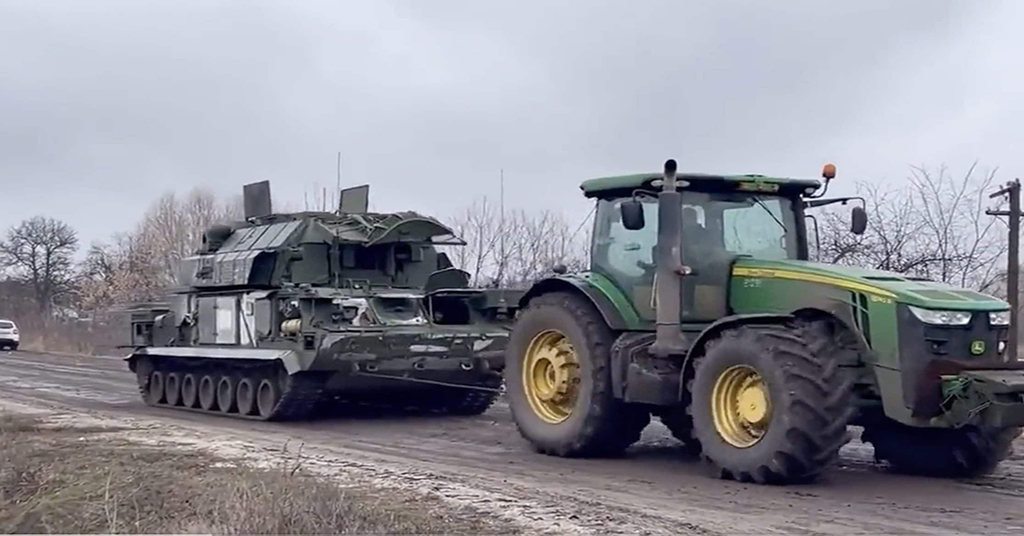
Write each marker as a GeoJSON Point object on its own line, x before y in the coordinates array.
{"type": "Point", "coordinates": [999, 318]}
{"type": "Point", "coordinates": [941, 318]}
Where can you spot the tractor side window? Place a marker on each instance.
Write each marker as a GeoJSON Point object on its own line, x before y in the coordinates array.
{"type": "Point", "coordinates": [626, 254]}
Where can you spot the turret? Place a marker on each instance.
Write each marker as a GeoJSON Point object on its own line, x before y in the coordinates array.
{"type": "Point", "coordinates": [348, 248]}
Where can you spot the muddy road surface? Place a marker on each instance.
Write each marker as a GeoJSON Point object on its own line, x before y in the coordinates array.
{"type": "Point", "coordinates": [482, 461]}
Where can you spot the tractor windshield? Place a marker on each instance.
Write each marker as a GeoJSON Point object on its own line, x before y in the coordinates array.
{"type": "Point", "coordinates": [761, 226]}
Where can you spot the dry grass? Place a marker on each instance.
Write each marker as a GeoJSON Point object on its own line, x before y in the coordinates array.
{"type": "Point", "coordinates": [65, 341]}
{"type": "Point", "coordinates": [76, 480]}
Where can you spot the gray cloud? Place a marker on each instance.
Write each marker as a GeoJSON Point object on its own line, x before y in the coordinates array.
{"type": "Point", "coordinates": [105, 105]}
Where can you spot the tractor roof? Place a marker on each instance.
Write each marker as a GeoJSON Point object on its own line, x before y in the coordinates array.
{"type": "Point", "coordinates": [625, 184]}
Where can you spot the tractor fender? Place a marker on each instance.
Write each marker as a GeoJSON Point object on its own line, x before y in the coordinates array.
{"type": "Point", "coordinates": [613, 316]}
{"type": "Point", "coordinates": [840, 314]}
{"type": "Point", "coordinates": [717, 327]}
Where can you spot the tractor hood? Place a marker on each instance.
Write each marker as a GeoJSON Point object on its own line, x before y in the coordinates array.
{"type": "Point", "coordinates": [898, 287]}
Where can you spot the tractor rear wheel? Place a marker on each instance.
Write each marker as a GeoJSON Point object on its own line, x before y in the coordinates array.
{"type": "Point", "coordinates": [770, 404]}
{"type": "Point", "coordinates": [558, 381]}
{"type": "Point", "coordinates": [963, 452]}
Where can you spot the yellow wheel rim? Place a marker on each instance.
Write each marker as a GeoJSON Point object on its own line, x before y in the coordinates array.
{"type": "Point", "coordinates": [741, 406]}
{"type": "Point", "coordinates": [551, 376]}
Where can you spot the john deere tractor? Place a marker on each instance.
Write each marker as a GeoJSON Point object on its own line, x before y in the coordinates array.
{"type": "Point", "coordinates": [701, 308]}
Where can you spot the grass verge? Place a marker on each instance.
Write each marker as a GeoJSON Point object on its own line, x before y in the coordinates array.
{"type": "Point", "coordinates": [90, 480]}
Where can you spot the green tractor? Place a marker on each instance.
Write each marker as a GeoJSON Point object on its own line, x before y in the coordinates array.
{"type": "Point", "coordinates": [701, 308]}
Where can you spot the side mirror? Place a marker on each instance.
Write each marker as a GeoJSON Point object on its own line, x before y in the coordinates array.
{"type": "Point", "coordinates": [632, 215]}
{"type": "Point", "coordinates": [858, 220]}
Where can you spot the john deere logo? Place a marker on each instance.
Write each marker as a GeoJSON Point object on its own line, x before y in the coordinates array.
{"type": "Point", "coordinates": [978, 347]}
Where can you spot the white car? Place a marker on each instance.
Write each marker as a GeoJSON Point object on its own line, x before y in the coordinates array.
{"type": "Point", "coordinates": [9, 337]}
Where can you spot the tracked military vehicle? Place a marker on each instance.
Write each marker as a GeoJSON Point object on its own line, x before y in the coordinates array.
{"type": "Point", "coordinates": [284, 313]}
{"type": "Point", "coordinates": [701, 307]}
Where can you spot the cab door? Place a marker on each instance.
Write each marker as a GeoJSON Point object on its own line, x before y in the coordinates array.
{"type": "Point", "coordinates": [627, 257]}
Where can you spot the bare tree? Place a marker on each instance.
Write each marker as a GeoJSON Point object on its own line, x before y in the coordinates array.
{"type": "Point", "coordinates": [478, 226]}
{"type": "Point", "coordinates": [173, 228]}
{"type": "Point", "coordinates": [539, 241]}
{"type": "Point", "coordinates": [515, 250]}
{"type": "Point", "coordinates": [118, 272]}
{"type": "Point", "coordinates": [140, 264]}
{"type": "Point", "coordinates": [39, 252]}
{"type": "Point", "coordinates": [933, 227]}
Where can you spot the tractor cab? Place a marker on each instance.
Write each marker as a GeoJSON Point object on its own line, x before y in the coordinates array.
{"type": "Point", "coordinates": [722, 218]}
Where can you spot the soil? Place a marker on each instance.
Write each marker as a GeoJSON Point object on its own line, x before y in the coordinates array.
{"type": "Point", "coordinates": [481, 462]}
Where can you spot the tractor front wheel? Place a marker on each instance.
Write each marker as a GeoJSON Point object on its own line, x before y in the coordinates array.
{"type": "Point", "coordinates": [962, 452]}
{"type": "Point", "coordinates": [769, 404]}
{"type": "Point", "coordinates": [558, 381]}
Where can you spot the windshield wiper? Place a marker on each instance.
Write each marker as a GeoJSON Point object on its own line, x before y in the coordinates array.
{"type": "Point", "coordinates": [770, 213]}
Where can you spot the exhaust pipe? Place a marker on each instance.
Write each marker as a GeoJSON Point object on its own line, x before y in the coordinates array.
{"type": "Point", "coordinates": [668, 285]}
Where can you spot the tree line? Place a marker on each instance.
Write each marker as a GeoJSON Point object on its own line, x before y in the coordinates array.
{"type": "Point", "coordinates": [49, 294]}
{"type": "Point", "coordinates": [932, 226]}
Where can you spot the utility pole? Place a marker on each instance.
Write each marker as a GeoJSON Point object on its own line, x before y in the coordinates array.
{"type": "Point", "coordinates": [1012, 190]}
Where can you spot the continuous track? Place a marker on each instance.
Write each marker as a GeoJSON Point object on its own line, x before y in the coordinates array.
{"type": "Point", "coordinates": [265, 392]}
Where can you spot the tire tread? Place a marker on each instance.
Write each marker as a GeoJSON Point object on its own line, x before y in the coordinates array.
{"type": "Point", "coordinates": [819, 403]}
{"type": "Point", "coordinates": [610, 426]}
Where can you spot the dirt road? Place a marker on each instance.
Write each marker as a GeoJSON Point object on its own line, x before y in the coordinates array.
{"type": "Point", "coordinates": [482, 461]}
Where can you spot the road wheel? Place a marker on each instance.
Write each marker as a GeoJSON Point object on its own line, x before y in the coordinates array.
{"type": "Point", "coordinates": [226, 394]}
{"type": "Point", "coordinates": [769, 404]}
{"type": "Point", "coordinates": [154, 393]}
{"type": "Point", "coordinates": [559, 381]}
{"type": "Point", "coordinates": [207, 393]}
{"type": "Point", "coordinates": [267, 396]}
{"type": "Point", "coordinates": [245, 396]}
{"type": "Point", "coordinates": [963, 452]}
{"type": "Point", "coordinates": [172, 388]}
{"type": "Point", "coordinates": [189, 387]}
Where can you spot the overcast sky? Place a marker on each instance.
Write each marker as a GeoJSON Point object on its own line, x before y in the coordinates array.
{"type": "Point", "coordinates": [106, 105]}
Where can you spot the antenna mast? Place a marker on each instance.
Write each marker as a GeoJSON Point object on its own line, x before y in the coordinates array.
{"type": "Point", "coordinates": [336, 197]}
{"type": "Point", "coordinates": [501, 230]}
